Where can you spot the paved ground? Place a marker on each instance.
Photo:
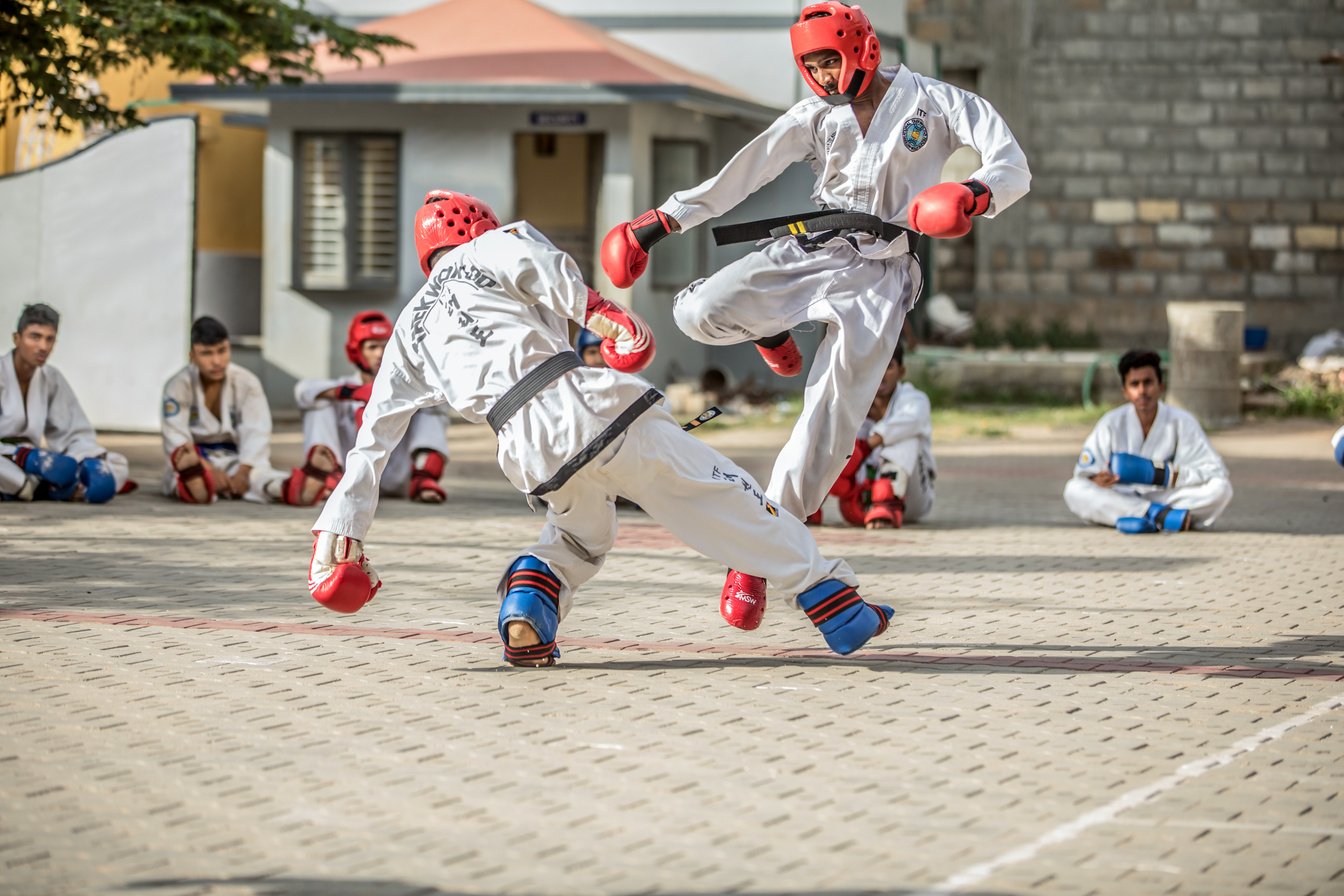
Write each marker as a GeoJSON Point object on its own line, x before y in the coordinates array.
{"type": "Point", "coordinates": [1057, 709]}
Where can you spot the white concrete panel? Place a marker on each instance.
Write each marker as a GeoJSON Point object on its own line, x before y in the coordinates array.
{"type": "Point", "coordinates": [108, 235]}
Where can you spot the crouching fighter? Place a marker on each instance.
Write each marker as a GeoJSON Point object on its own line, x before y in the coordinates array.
{"type": "Point", "coordinates": [332, 409]}
{"type": "Point", "coordinates": [488, 335]}
{"type": "Point", "coordinates": [1148, 467]}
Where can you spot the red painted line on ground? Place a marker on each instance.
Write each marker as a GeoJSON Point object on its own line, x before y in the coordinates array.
{"type": "Point", "coordinates": [1011, 661]}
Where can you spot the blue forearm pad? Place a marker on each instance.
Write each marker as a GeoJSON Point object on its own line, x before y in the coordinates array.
{"type": "Point", "coordinates": [100, 486]}
{"type": "Point", "coordinates": [532, 596]}
{"type": "Point", "coordinates": [59, 470]}
{"type": "Point", "coordinates": [845, 620]}
{"type": "Point", "coordinates": [1139, 470]}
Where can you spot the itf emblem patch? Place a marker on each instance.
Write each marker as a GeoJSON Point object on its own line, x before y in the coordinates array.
{"type": "Point", "coordinates": [170, 407]}
{"type": "Point", "coordinates": [915, 134]}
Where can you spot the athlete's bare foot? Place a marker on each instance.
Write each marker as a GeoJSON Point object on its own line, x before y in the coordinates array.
{"type": "Point", "coordinates": [191, 472]}
{"type": "Point", "coordinates": [320, 459]}
{"type": "Point", "coordinates": [523, 635]}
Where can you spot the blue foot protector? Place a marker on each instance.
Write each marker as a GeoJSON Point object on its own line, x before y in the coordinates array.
{"type": "Point", "coordinates": [1158, 518]}
{"type": "Point", "coordinates": [532, 596]}
{"type": "Point", "coordinates": [845, 620]}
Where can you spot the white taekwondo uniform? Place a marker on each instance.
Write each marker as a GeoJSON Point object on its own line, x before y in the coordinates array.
{"type": "Point", "coordinates": [1202, 484]}
{"type": "Point", "coordinates": [331, 422]}
{"type": "Point", "coordinates": [907, 448]}
{"type": "Point", "coordinates": [495, 309]}
{"type": "Point", "coordinates": [861, 285]}
{"type": "Point", "coordinates": [51, 418]}
{"type": "Point", "coordinates": [241, 435]}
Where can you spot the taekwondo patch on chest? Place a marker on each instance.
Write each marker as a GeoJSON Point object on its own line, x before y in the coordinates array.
{"type": "Point", "coordinates": [915, 134]}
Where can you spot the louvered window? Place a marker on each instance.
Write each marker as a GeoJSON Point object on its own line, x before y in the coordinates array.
{"type": "Point", "coordinates": [346, 211]}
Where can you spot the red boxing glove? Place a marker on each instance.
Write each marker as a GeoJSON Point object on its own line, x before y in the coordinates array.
{"type": "Point", "coordinates": [625, 250]}
{"type": "Point", "coordinates": [945, 210]}
{"type": "Point", "coordinates": [627, 342]}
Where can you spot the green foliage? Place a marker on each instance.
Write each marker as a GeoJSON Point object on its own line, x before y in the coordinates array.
{"type": "Point", "coordinates": [1021, 335]}
{"type": "Point", "coordinates": [52, 48]}
{"type": "Point", "coordinates": [986, 335]}
{"type": "Point", "coordinates": [1314, 401]}
{"type": "Point", "coordinates": [1059, 335]}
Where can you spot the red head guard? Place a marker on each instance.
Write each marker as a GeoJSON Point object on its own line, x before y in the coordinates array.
{"type": "Point", "coordinates": [847, 31]}
{"type": "Point", "coordinates": [366, 325]}
{"type": "Point", "coordinates": [449, 219]}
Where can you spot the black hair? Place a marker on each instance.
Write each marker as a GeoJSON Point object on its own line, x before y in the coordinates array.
{"type": "Point", "coordinates": [40, 314]}
{"type": "Point", "coordinates": [1139, 357]}
{"type": "Point", "coordinates": [899, 355]}
{"type": "Point", "coordinates": [208, 331]}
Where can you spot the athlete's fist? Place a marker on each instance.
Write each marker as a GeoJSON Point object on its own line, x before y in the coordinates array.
{"type": "Point", "coordinates": [347, 392]}
{"type": "Point", "coordinates": [945, 210]}
{"type": "Point", "coordinates": [1141, 471]}
{"type": "Point", "coordinates": [625, 251]}
{"type": "Point", "coordinates": [627, 342]}
{"type": "Point", "coordinates": [340, 577]}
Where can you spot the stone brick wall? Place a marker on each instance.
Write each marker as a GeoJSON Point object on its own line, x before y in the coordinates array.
{"type": "Point", "coordinates": [1186, 149]}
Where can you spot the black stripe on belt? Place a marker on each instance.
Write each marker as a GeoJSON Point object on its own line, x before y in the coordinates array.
{"type": "Point", "coordinates": [604, 438]}
{"type": "Point", "coordinates": [521, 392]}
{"type": "Point", "coordinates": [810, 223]}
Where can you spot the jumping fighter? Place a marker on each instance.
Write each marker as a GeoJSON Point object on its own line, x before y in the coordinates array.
{"type": "Point", "coordinates": [332, 409]}
{"type": "Point", "coordinates": [37, 408]}
{"type": "Point", "coordinates": [488, 335]}
{"type": "Point", "coordinates": [877, 139]}
{"type": "Point", "coordinates": [216, 428]}
{"type": "Point", "coordinates": [1148, 467]}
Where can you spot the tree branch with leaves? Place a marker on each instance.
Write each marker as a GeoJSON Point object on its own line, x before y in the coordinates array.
{"type": "Point", "coordinates": [50, 50]}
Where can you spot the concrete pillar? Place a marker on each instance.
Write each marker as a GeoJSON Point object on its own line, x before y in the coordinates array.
{"type": "Point", "coordinates": [1206, 341]}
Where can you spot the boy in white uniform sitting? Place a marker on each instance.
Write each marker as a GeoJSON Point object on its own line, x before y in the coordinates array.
{"type": "Point", "coordinates": [216, 427]}
{"type": "Point", "coordinates": [1148, 467]}
{"type": "Point", "coordinates": [888, 480]}
{"type": "Point", "coordinates": [332, 409]}
{"type": "Point", "coordinates": [37, 408]}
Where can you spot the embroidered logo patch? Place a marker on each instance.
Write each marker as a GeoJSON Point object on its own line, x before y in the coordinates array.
{"type": "Point", "coordinates": [1085, 459]}
{"type": "Point", "coordinates": [171, 407]}
{"type": "Point", "coordinates": [915, 134]}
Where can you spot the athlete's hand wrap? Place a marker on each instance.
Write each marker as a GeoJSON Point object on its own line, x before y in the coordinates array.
{"type": "Point", "coordinates": [625, 250]}
{"type": "Point", "coordinates": [347, 392]}
{"type": "Point", "coordinates": [627, 342]}
{"type": "Point", "coordinates": [340, 577]}
{"type": "Point", "coordinates": [945, 210]}
{"type": "Point", "coordinates": [1142, 471]}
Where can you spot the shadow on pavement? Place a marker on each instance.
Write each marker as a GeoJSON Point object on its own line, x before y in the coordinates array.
{"type": "Point", "coordinates": [308, 886]}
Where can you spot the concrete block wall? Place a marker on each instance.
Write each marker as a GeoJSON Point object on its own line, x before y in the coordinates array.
{"type": "Point", "coordinates": [1184, 150]}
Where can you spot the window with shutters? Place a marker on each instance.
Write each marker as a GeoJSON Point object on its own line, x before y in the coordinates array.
{"type": "Point", "coordinates": [346, 216]}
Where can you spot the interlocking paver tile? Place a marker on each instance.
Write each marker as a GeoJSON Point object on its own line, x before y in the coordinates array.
{"type": "Point", "coordinates": [1056, 709]}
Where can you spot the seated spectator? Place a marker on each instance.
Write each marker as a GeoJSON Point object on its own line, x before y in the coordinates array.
{"type": "Point", "coordinates": [1148, 467]}
{"type": "Point", "coordinates": [334, 408]}
{"type": "Point", "coordinates": [48, 448]}
{"type": "Point", "coordinates": [216, 427]}
{"type": "Point", "coordinates": [888, 481]}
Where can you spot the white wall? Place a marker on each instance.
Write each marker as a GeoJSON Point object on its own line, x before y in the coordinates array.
{"type": "Point", "coordinates": [106, 237]}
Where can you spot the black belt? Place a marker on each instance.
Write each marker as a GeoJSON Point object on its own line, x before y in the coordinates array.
{"type": "Point", "coordinates": [521, 392]}
{"type": "Point", "coordinates": [810, 224]}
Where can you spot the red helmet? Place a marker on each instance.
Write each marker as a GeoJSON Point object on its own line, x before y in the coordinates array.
{"type": "Point", "coordinates": [449, 219]}
{"type": "Point", "coordinates": [365, 325]}
{"type": "Point", "coordinates": [847, 31]}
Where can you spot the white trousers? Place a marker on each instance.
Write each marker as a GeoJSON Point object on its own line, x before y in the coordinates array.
{"type": "Point", "coordinates": [326, 424]}
{"type": "Point", "coordinates": [907, 459]}
{"type": "Point", "coordinates": [862, 300]}
{"type": "Point", "coordinates": [694, 491]}
{"type": "Point", "coordinates": [1104, 506]}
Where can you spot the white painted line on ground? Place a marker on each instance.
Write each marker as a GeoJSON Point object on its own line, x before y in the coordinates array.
{"type": "Point", "coordinates": [1069, 830]}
